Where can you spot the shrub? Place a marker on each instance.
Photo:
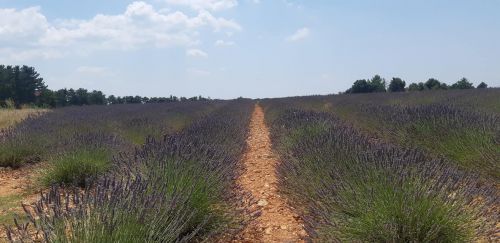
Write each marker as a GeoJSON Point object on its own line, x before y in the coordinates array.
{"type": "Point", "coordinates": [75, 167]}
{"type": "Point", "coordinates": [15, 153]}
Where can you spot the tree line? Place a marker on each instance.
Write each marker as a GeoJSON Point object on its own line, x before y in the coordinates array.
{"type": "Point", "coordinates": [22, 85]}
{"type": "Point", "coordinates": [378, 84]}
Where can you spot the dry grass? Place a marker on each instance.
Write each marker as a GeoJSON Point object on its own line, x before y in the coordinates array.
{"type": "Point", "coordinates": [10, 117]}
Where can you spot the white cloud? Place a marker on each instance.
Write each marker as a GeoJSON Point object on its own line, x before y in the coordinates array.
{"type": "Point", "coordinates": [300, 34]}
{"type": "Point", "coordinates": [139, 26]}
{"type": "Point", "coordinates": [212, 5]}
{"type": "Point", "coordinates": [196, 53]}
{"type": "Point", "coordinates": [25, 23]}
{"type": "Point", "coordinates": [217, 23]}
{"type": "Point", "coordinates": [224, 43]}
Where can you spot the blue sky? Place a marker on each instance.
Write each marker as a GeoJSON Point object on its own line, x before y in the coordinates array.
{"type": "Point", "coordinates": [250, 48]}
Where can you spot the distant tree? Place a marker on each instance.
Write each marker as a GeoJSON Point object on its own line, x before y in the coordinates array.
{"type": "Point", "coordinates": [46, 98]}
{"type": "Point", "coordinates": [432, 84]}
{"type": "Point", "coordinates": [96, 98]}
{"type": "Point", "coordinates": [462, 84]}
{"type": "Point", "coordinates": [111, 100]}
{"type": "Point", "coordinates": [361, 86]}
{"type": "Point", "coordinates": [132, 100]}
{"type": "Point", "coordinates": [6, 85]}
{"type": "Point", "coordinates": [72, 98]}
{"type": "Point", "coordinates": [413, 87]}
{"type": "Point", "coordinates": [62, 98]}
{"type": "Point", "coordinates": [128, 99]}
{"type": "Point", "coordinates": [29, 85]}
{"type": "Point", "coordinates": [397, 85]}
{"type": "Point", "coordinates": [82, 96]}
{"type": "Point", "coordinates": [482, 85]}
{"type": "Point", "coordinates": [416, 87]}
{"type": "Point", "coordinates": [23, 84]}
{"type": "Point", "coordinates": [378, 84]}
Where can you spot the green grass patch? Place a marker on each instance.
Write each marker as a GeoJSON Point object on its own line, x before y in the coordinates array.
{"type": "Point", "coordinates": [6, 203]}
{"type": "Point", "coordinates": [15, 155]}
{"type": "Point", "coordinates": [77, 166]}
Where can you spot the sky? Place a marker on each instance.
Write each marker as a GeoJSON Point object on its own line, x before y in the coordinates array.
{"type": "Point", "coordinates": [249, 48]}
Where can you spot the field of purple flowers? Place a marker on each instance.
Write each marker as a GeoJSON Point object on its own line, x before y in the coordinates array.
{"type": "Point", "coordinates": [391, 167]}
{"type": "Point", "coordinates": [176, 186]}
{"type": "Point", "coordinates": [461, 126]}
{"type": "Point", "coordinates": [78, 142]}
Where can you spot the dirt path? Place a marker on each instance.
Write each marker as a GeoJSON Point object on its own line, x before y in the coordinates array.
{"type": "Point", "coordinates": [276, 222]}
{"type": "Point", "coordinates": [16, 187]}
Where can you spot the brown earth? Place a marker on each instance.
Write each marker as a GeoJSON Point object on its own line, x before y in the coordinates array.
{"type": "Point", "coordinates": [17, 187]}
{"type": "Point", "coordinates": [275, 220]}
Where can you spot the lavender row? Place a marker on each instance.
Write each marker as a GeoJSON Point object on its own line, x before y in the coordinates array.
{"type": "Point", "coordinates": [174, 189]}
{"type": "Point", "coordinates": [351, 187]}
{"type": "Point", "coordinates": [116, 128]}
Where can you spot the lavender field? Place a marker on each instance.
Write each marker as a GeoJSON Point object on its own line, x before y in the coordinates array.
{"type": "Point", "coordinates": [409, 167]}
{"type": "Point", "coordinates": [401, 167]}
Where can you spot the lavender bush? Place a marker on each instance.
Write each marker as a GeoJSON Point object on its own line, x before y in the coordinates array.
{"type": "Point", "coordinates": [351, 187]}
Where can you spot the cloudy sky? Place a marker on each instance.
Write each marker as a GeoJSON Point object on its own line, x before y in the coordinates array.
{"type": "Point", "coordinates": [250, 48]}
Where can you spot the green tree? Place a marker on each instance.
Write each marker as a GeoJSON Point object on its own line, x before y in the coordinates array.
{"type": "Point", "coordinates": [82, 96]}
{"type": "Point", "coordinates": [96, 98]}
{"type": "Point", "coordinates": [360, 86]}
{"type": "Point", "coordinates": [416, 87]}
{"type": "Point", "coordinates": [6, 83]}
{"type": "Point", "coordinates": [21, 84]}
{"type": "Point", "coordinates": [462, 84]}
{"type": "Point", "coordinates": [397, 85]}
{"type": "Point", "coordinates": [46, 98]}
{"type": "Point", "coordinates": [62, 98]}
{"type": "Point", "coordinates": [432, 83]}
{"type": "Point", "coordinates": [29, 85]}
{"type": "Point", "coordinates": [112, 100]}
{"type": "Point", "coordinates": [72, 97]}
{"type": "Point", "coordinates": [482, 85]}
{"type": "Point", "coordinates": [378, 84]}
